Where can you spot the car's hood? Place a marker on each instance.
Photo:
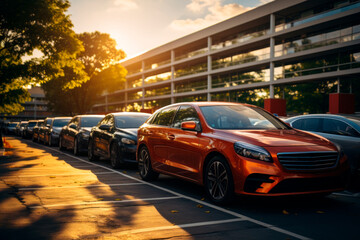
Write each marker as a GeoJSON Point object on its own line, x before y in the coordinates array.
{"type": "Point", "coordinates": [130, 131]}
{"type": "Point", "coordinates": [275, 138]}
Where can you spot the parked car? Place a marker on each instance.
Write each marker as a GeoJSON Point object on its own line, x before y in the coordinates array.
{"type": "Point", "coordinates": [344, 131]}
{"type": "Point", "coordinates": [237, 148]}
{"type": "Point", "coordinates": [52, 132]}
{"type": "Point", "coordinates": [44, 128]}
{"type": "Point", "coordinates": [75, 135]}
{"type": "Point", "coordinates": [10, 128]}
{"type": "Point", "coordinates": [115, 138]}
{"type": "Point", "coordinates": [21, 128]}
{"type": "Point", "coordinates": [39, 124]}
{"type": "Point", "coordinates": [28, 129]}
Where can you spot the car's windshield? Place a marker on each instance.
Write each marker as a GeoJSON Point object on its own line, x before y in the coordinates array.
{"type": "Point", "coordinates": [90, 121]}
{"type": "Point", "coordinates": [31, 124]}
{"type": "Point", "coordinates": [239, 117]}
{"type": "Point", "coordinates": [130, 121]}
{"type": "Point", "coordinates": [60, 122]}
{"type": "Point", "coordinates": [354, 120]}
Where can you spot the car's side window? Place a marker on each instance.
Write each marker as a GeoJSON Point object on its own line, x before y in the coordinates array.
{"type": "Point", "coordinates": [337, 127]}
{"type": "Point", "coordinates": [309, 124]}
{"type": "Point", "coordinates": [165, 117]}
{"type": "Point", "coordinates": [184, 114]}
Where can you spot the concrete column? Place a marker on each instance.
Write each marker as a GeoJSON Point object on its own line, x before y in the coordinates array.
{"type": "Point", "coordinates": [143, 83]}
{"type": "Point", "coordinates": [209, 69]}
{"type": "Point", "coordinates": [272, 54]}
{"type": "Point", "coordinates": [172, 76]}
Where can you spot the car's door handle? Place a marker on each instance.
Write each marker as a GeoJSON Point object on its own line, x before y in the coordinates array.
{"type": "Point", "coordinates": [171, 136]}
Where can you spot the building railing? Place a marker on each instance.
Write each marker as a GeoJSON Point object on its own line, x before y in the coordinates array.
{"type": "Point", "coordinates": [190, 89]}
{"type": "Point", "coordinates": [216, 64]}
{"type": "Point", "coordinates": [189, 72]}
{"type": "Point", "coordinates": [326, 42]}
{"type": "Point", "coordinates": [317, 70]}
{"type": "Point", "coordinates": [298, 22]}
{"type": "Point", "coordinates": [191, 54]}
{"type": "Point", "coordinates": [238, 82]}
{"type": "Point", "coordinates": [239, 39]}
{"type": "Point", "coordinates": [156, 65]}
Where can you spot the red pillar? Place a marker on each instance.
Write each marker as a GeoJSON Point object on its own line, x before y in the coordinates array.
{"type": "Point", "coordinates": [275, 105]}
{"type": "Point", "coordinates": [341, 103]}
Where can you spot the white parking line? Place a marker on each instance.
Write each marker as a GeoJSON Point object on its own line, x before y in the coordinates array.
{"type": "Point", "coordinates": [104, 202]}
{"type": "Point", "coordinates": [82, 186]}
{"type": "Point", "coordinates": [189, 225]}
{"type": "Point", "coordinates": [50, 175]}
{"type": "Point", "coordinates": [237, 215]}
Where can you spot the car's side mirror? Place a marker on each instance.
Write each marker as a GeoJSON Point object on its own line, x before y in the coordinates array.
{"type": "Point", "coordinates": [72, 126]}
{"type": "Point", "coordinates": [190, 126]}
{"type": "Point", "coordinates": [48, 125]}
{"type": "Point", "coordinates": [105, 127]}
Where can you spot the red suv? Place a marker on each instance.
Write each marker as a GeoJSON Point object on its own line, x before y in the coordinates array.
{"type": "Point", "coordinates": [237, 148]}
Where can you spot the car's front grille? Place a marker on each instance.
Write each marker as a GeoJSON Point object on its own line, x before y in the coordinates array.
{"type": "Point", "coordinates": [308, 160]}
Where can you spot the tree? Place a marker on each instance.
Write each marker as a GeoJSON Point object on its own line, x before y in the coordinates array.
{"type": "Point", "coordinates": [100, 58]}
{"type": "Point", "coordinates": [26, 26]}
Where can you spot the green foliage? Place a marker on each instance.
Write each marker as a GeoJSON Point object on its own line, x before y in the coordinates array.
{"type": "Point", "coordinates": [100, 59]}
{"type": "Point", "coordinates": [26, 26]}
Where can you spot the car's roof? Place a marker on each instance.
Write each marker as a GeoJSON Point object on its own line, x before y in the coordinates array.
{"type": "Point", "coordinates": [215, 103]}
{"type": "Point", "coordinates": [129, 113]}
{"type": "Point", "coordinates": [62, 118]}
{"type": "Point", "coordinates": [90, 115]}
{"type": "Point", "coordinates": [334, 116]}
{"type": "Point", "coordinates": [33, 120]}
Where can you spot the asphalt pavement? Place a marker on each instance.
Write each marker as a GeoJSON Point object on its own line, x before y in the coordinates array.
{"type": "Point", "coordinates": [46, 193]}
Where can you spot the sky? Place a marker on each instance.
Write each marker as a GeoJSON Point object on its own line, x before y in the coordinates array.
{"type": "Point", "coordinates": [141, 25]}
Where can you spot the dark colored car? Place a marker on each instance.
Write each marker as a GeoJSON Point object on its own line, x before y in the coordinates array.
{"type": "Point", "coordinates": [44, 128]}
{"type": "Point", "coordinates": [342, 130]}
{"type": "Point", "coordinates": [115, 138]}
{"type": "Point", "coordinates": [237, 148]}
{"type": "Point", "coordinates": [21, 129]}
{"type": "Point", "coordinates": [75, 135]}
{"type": "Point", "coordinates": [39, 124]}
{"type": "Point", "coordinates": [52, 132]}
{"type": "Point", "coordinates": [10, 128]}
{"type": "Point", "coordinates": [29, 128]}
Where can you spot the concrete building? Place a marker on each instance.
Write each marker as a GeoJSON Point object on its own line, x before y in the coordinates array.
{"type": "Point", "coordinates": [257, 57]}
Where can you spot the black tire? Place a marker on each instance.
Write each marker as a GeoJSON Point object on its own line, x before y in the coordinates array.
{"type": "Point", "coordinates": [61, 146]}
{"type": "Point", "coordinates": [218, 181]}
{"type": "Point", "coordinates": [144, 164]}
{"type": "Point", "coordinates": [115, 157]}
{"type": "Point", "coordinates": [33, 138]}
{"type": "Point", "coordinates": [76, 147]}
{"type": "Point", "coordinates": [50, 141]}
{"type": "Point", "coordinates": [91, 155]}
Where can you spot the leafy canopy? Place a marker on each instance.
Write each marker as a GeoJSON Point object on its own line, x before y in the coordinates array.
{"type": "Point", "coordinates": [100, 58]}
{"type": "Point", "coordinates": [26, 26]}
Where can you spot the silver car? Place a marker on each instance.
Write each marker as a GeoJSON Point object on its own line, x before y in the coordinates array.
{"type": "Point", "coordinates": [342, 130]}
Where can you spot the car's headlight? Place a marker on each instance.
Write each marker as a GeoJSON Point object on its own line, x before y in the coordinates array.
{"type": "Point", "coordinates": [128, 141]}
{"type": "Point", "coordinates": [252, 151]}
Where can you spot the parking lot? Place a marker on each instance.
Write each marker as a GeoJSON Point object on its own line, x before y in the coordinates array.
{"type": "Point", "coordinates": [50, 194]}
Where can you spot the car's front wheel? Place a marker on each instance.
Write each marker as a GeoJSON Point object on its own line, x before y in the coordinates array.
{"type": "Point", "coordinates": [219, 184]}
{"type": "Point", "coordinates": [144, 163]}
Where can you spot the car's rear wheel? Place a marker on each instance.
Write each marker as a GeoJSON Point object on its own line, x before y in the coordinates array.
{"type": "Point", "coordinates": [115, 157]}
{"type": "Point", "coordinates": [91, 155]}
{"type": "Point", "coordinates": [50, 141]}
{"type": "Point", "coordinates": [144, 163]}
{"type": "Point", "coordinates": [219, 184]}
{"type": "Point", "coordinates": [61, 146]}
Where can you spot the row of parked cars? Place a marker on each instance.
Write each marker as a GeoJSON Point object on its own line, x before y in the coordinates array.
{"type": "Point", "coordinates": [226, 147]}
